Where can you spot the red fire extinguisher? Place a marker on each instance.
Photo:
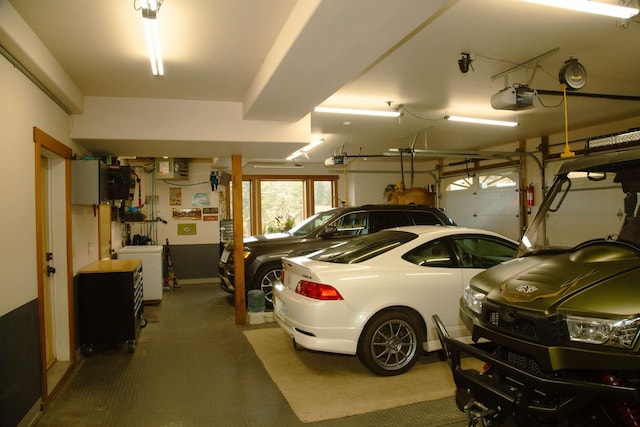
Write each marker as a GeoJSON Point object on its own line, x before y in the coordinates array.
{"type": "Point", "coordinates": [530, 195]}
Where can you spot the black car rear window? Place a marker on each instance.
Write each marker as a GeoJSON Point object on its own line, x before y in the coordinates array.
{"type": "Point", "coordinates": [424, 218]}
{"type": "Point", "coordinates": [362, 248]}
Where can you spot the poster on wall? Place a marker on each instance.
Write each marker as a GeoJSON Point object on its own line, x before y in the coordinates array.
{"type": "Point", "coordinates": [188, 229]}
{"type": "Point", "coordinates": [187, 213]}
{"type": "Point", "coordinates": [210, 214]}
{"type": "Point", "coordinates": [175, 196]}
{"type": "Point", "coordinates": [200, 199]}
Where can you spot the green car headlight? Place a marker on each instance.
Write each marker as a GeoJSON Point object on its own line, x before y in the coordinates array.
{"type": "Point", "coordinates": [618, 333]}
{"type": "Point", "coordinates": [473, 299]}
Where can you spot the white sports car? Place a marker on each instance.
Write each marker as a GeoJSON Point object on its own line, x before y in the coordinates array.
{"type": "Point", "coordinates": [374, 295]}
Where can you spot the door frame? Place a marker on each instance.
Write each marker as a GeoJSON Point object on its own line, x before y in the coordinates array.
{"type": "Point", "coordinates": [44, 141]}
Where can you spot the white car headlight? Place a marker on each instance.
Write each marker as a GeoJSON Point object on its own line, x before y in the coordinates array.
{"type": "Point", "coordinates": [619, 333]}
{"type": "Point", "coordinates": [473, 299]}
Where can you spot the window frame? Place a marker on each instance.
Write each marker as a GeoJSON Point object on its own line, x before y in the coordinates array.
{"type": "Point", "coordinates": [308, 195]}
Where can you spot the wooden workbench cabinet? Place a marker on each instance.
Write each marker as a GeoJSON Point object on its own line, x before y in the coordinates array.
{"type": "Point", "coordinates": [110, 305]}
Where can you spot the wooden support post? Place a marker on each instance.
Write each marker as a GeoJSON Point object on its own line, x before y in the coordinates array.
{"type": "Point", "coordinates": [238, 247]}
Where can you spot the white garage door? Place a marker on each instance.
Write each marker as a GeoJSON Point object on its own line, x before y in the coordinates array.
{"type": "Point", "coordinates": [488, 200]}
{"type": "Point", "coordinates": [593, 209]}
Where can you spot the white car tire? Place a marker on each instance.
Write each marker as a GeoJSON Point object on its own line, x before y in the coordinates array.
{"type": "Point", "coordinates": [391, 342]}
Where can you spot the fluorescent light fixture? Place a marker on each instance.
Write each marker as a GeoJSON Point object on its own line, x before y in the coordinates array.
{"type": "Point", "coordinates": [357, 112]}
{"type": "Point", "coordinates": [589, 6]}
{"type": "Point", "coordinates": [295, 154]}
{"type": "Point", "coordinates": [304, 150]}
{"type": "Point", "coordinates": [276, 166]}
{"type": "Point", "coordinates": [152, 34]}
{"type": "Point", "coordinates": [311, 145]}
{"type": "Point", "coordinates": [481, 121]}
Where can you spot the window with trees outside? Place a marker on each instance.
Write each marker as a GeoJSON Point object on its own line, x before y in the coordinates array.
{"type": "Point", "coordinates": [273, 204]}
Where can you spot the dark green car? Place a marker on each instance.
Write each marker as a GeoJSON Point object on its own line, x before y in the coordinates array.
{"type": "Point", "coordinates": [563, 317]}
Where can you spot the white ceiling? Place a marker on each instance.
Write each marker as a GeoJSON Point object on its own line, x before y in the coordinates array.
{"type": "Point", "coordinates": [280, 58]}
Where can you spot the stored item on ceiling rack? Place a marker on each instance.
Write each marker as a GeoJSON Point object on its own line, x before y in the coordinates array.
{"type": "Point", "coordinates": [172, 169]}
{"type": "Point", "coordinates": [513, 98]}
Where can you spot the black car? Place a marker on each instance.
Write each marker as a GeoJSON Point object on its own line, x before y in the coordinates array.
{"type": "Point", "coordinates": [263, 253]}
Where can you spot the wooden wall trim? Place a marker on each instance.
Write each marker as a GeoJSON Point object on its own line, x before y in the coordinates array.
{"type": "Point", "coordinates": [43, 140]}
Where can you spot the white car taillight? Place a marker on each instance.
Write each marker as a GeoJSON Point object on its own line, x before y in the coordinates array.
{"type": "Point", "coordinates": [317, 290]}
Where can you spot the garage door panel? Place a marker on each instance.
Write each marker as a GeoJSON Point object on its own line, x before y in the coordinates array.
{"type": "Point", "coordinates": [494, 209]}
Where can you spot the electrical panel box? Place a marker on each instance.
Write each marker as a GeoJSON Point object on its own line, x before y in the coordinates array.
{"type": "Point", "coordinates": [89, 182]}
{"type": "Point", "coordinates": [173, 169]}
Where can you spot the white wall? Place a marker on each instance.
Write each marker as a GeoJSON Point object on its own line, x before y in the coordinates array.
{"type": "Point", "coordinates": [23, 106]}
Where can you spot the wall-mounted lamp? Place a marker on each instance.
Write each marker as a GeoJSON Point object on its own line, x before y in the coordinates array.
{"type": "Point", "coordinates": [589, 6]}
{"type": "Point", "coordinates": [357, 112]}
{"type": "Point", "coordinates": [481, 121]}
{"type": "Point", "coordinates": [150, 9]}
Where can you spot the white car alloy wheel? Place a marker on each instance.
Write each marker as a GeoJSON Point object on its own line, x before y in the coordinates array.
{"type": "Point", "coordinates": [391, 342]}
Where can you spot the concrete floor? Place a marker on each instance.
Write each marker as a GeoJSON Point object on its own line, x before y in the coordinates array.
{"type": "Point", "coordinates": [194, 367]}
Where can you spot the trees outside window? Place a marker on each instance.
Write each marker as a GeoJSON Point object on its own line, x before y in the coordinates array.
{"type": "Point", "coordinates": [272, 204]}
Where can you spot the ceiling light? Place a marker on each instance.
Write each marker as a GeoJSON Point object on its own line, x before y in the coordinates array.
{"type": "Point", "coordinates": [592, 7]}
{"type": "Point", "coordinates": [304, 150]}
{"type": "Point", "coordinates": [150, 9]}
{"type": "Point", "coordinates": [481, 121]}
{"type": "Point", "coordinates": [278, 166]}
{"type": "Point", "coordinates": [357, 112]}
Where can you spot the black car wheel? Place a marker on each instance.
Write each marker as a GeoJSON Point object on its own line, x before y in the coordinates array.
{"type": "Point", "coordinates": [267, 276]}
{"type": "Point", "coordinates": [391, 343]}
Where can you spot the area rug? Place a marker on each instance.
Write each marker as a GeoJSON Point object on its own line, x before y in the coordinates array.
{"type": "Point", "coordinates": [322, 386]}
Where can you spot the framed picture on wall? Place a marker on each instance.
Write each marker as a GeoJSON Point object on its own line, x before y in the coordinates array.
{"type": "Point", "coordinates": [175, 196]}
{"type": "Point", "coordinates": [187, 213]}
{"type": "Point", "coordinates": [187, 229]}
